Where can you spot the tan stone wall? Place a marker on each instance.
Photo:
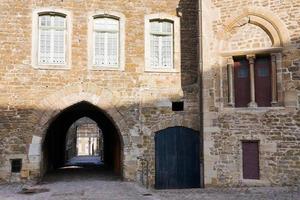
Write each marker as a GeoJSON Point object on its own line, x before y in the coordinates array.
{"type": "Point", "coordinates": [225, 127]}
{"type": "Point", "coordinates": [247, 36]}
{"type": "Point", "coordinates": [138, 102]}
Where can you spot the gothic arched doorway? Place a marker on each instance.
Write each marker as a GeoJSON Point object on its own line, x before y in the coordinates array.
{"type": "Point", "coordinates": [57, 145]}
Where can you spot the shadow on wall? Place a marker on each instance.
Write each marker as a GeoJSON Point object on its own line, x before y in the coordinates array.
{"type": "Point", "coordinates": [189, 42]}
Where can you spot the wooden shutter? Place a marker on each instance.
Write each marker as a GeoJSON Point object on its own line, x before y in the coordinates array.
{"type": "Point", "coordinates": [263, 81]}
{"type": "Point", "coordinates": [250, 159]}
{"type": "Point", "coordinates": [241, 82]}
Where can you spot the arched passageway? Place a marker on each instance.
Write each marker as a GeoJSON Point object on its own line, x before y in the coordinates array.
{"type": "Point", "coordinates": [55, 154]}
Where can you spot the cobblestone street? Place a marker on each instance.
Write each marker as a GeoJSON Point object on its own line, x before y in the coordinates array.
{"type": "Point", "coordinates": [92, 186]}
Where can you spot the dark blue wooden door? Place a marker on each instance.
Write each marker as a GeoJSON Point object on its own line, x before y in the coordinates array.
{"type": "Point", "coordinates": [177, 158]}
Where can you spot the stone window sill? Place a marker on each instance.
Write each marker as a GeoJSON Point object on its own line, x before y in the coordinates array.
{"type": "Point", "coordinates": [52, 67]}
{"type": "Point", "coordinates": [256, 109]}
{"type": "Point", "coordinates": [159, 70]}
{"type": "Point", "coordinates": [95, 68]}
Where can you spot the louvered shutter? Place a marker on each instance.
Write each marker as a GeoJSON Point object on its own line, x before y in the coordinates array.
{"type": "Point", "coordinates": [167, 40]}
{"type": "Point", "coordinates": [154, 50]}
{"type": "Point", "coordinates": [112, 49]}
{"type": "Point", "coordinates": [59, 40]}
{"type": "Point", "coordinates": [167, 51]}
{"type": "Point", "coordinates": [44, 39]}
{"type": "Point", "coordinates": [99, 55]}
{"type": "Point", "coordinates": [106, 42]}
{"type": "Point", "coordinates": [52, 39]}
{"type": "Point", "coordinates": [58, 47]}
{"type": "Point", "coordinates": [161, 44]}
{"type": "Point", "coordinates": [45, 42]}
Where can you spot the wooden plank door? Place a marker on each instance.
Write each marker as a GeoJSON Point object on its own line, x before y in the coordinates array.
{"type": "Point", "coordinates": [177, 158]}
{"type": "Point", "coordinates": [250, 159]}
{"type": "Point", "coordinates": [241, 82]}
{"type": "Point", "coordinates": [263, 81]}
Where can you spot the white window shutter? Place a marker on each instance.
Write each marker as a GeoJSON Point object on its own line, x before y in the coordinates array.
{"type": "Point", "coordinates": [99, 52]}
{"type": "Point", "coordinates": [112, 49]}
{"type": "Point", "coordinates": [52, 38]}
{"type": "Point", "coordinates": [106, 42]}
{"type": "Point", "coordinates": [45, 46]}
{"type": "Point", "coordinates": [154, 51]}
{"type": "Point", "coordinates": [167, 51]}
{"type": "Point", "coordinates": [161, 44]}
{"type": "Point", "coordinates": [58, 47]}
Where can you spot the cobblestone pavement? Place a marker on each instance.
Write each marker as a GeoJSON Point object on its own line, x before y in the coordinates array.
{"type": "Point", "coordinates": [80, 186]}
{"type": "Point", "coordinates": [262, 193]}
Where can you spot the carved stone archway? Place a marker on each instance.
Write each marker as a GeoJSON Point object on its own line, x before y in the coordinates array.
{"type": "Point", "coordinates": [262, 18]}
{"type": "Point", "coordinates": [51, 106]}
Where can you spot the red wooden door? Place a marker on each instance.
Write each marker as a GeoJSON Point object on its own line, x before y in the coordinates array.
{"type": "Point", "coordinates": [241, 82]}
{"type": "Point", "coordinates": [263, 81]}
{"type": "Point", "coordinates": [250, 159]}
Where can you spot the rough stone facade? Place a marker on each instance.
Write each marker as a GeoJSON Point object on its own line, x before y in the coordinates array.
{"type": "Point", "coordinates": [243, 28]}
{"type": "Point", "coordinates": [139, 103]}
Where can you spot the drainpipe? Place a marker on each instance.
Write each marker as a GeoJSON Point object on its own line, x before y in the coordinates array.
{"type": "Point", "coordinates": [200, 79]}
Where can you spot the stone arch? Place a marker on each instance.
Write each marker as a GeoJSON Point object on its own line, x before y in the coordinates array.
{"type": "Point", "coordinates": [168, 123]}
{"type": "Point", "coordinates": [262, 18]}
{"type": "Point", "coordinates": [51, 106]}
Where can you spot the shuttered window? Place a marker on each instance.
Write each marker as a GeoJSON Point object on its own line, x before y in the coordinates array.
{"type": "Point", "coordinates": [250, 159]}
{"type": "Point", "coordinates": [161, 44]}
{"type": "Point", "coordinates": [106, 42]}
{"type": "Point", "coordinates": [52, 39]}
{"type": "Point", "coordinates": [262, 79]}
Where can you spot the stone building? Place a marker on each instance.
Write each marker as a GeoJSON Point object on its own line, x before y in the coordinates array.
{"type": "Point", "coordinates": [84, 138]}
{"type": "Point", "coordinates": [211, 87]}
{"type": "Point", "coordinates": [251, 82]}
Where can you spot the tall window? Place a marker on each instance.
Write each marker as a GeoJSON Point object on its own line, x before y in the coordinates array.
{"type": "Point", "coordinates": [52, 40]}
{"type": "Point", "coordinates": [106, 42]}
{"type": "Point", "coordinates": [161, 44]}
{"type": "Point", "coordinates": [241, 82]}
{"type": "Point", "coordinates": [261, 81]}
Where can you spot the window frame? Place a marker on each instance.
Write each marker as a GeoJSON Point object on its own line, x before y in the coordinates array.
{"type": "Point", "coordinates": [36, 37]}
{"type": "Point", "coordinates": [176, 56]}
{"type": "Point", "coordinates": [276, 62]}
{"type": "Point", "coordinates": [160, 35]}
{"type": "Point", "coordinates": [121, 40]}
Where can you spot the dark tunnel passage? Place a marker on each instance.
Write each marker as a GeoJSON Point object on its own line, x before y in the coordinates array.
{"type": "Point", "coordinates": [54, 146]}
